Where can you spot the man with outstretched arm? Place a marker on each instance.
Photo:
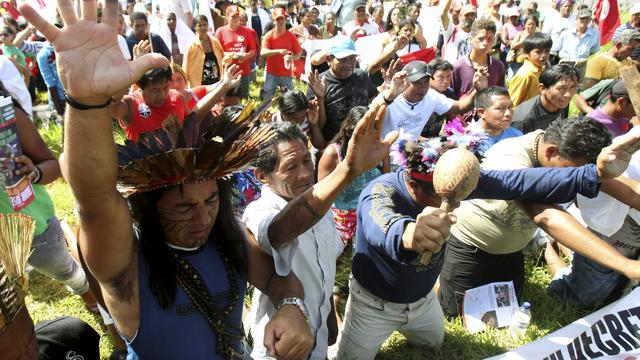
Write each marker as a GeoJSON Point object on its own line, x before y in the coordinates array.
{"type": "Point", "coordinates": [174, 287]}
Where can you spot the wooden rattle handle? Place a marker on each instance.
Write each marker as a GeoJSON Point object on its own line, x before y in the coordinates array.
{"type": "Point", "coordinates": [426, 256]}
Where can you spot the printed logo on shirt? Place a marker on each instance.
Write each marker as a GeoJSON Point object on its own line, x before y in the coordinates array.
{"type": "Point", "coordinates": [240, 38]}
{"type": "Point", "coordinates": [144, 110]}
{"type": "Point", "coordinates": [71, 355]}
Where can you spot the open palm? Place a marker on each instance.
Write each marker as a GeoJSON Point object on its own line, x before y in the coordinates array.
{"type": "Point", "coordinates": [90, 63]}
{"type": "Point", "coordinates": [366, 149]}
{"type": "Point", "coordinates": [614, 159]}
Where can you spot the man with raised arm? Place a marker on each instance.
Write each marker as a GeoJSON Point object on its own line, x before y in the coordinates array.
{"type": "Point", "coordinates": [174, 287]}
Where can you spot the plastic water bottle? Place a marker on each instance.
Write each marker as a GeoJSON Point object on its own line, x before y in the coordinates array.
{"type": "Point", "coordinates": [520, 320]}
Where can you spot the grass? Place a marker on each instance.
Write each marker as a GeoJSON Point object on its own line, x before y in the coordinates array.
{"type": "Point", "coordinates": [48, 299]}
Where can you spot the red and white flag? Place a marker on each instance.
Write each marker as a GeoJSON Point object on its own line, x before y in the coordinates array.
{"type": "Point", "coordinates": [608, 19]}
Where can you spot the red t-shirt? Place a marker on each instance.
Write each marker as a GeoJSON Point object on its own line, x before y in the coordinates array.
{"type": "Point", "coordinates": [240, 40]}
{"type": "Point", "coordinates": [197, 93]}
{"type": "Point", "coordinates": [275, 63]}
{"type": "Point", "coordinates": [145, 118]}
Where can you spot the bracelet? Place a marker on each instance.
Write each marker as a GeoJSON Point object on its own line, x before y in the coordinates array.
{"type": "Point", "coordinates": [297, 302]}
{"type": "Point", "coordinates": [77, 105]}
{"type": "Point", "coordinates": [386, 101]}
{"type": "Point", "coordinates": [38, 175]}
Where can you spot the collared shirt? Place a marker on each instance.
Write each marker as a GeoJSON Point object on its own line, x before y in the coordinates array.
{"type": "Point", "coordinates": [193, 61]}
{"type": "Point", "coordinates": [605, 66]}
{"type": "Point", "coordinates": [524, 84]}
{"type": "Point", "coordinates": [571, 46]}
{"type": "Point", "coordinates": [312, 257]}
{"type": "Point", "coordinates": [369, 27]}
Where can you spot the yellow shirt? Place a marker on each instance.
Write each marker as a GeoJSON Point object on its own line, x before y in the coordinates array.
{"type": "Point", "coordinates": [524, 84]}
{"type": "Point", "coordinates": [193, 61]}
{"type": "Point", "coordinates": [604, 66]}
{"type": "Point", "coordinates": [499, 226]}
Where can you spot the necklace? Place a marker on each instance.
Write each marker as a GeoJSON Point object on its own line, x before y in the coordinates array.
{"type": "Point", "coordinates": [535, 149]}
{"type": "Point", "coordinates": [412, 105]}
{"type": "Point", "coordinates": [216, 314]}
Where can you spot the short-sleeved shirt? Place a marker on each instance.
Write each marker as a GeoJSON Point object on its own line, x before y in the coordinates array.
{"type": "Point", "coordinates": [157, 44]}
{"type": "Point", "coordinates": [412, 118]}
{"type": "Point", "coordinates": [617, 126]}
{"type": "Point", "coordinates": [506, 134]}
{"type": "Point", "coordinates": [342, 95]}
{"type": "Point", "coordinates": [457, 43]}
{"type": "Point", "coordinates": [197, 93]}
{"type": "Point", "coordinates": [605, 66]}
{"type": "Point", "coordinates": [272, 41]}
{"type": "Point", "coordinates": [531, 115]}
{"type": "Point", "coordinates": [463, 71]}
{"type": "Point", "coordinates": [499, 226]}
{"type": "Point", "coordinates": [240, 40]}
{"type": "Point", "coordinates": [524, 84]}
{"type": "Point", "coordinates": [145, 118]}
{"type": "Point", "coordinates": [598, 95]}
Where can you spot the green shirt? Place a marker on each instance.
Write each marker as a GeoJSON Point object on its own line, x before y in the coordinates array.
{"type": "Point", "coordinates": [15, 53]}
{"type": "Point", "coordinates": [41, 208]}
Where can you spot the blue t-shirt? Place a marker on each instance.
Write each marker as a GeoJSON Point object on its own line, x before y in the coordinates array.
{"type": "Point", "coordinates": [388, 271]}
{"type": "Point", "coordinates": [508, 133]}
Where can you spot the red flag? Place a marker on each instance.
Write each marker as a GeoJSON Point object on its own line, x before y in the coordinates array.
{"type": "Point", "coordinates": [608, 19]}
{"type": "Point", "coordinates": [426, 55]}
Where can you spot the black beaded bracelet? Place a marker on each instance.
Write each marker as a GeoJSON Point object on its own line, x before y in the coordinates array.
{"type": "Point", "coordinates": [386, 101]}
{"type": "Point", "coordinates": [76, 105]}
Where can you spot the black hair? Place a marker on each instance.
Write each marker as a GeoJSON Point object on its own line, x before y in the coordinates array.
{"type": "Point", "coordinates": [293, 101]}
{"type": "Point", "coordinates": [484, 97]}
{"type": "Point", "coordinates": [550, 76]}
{"type": "Point", "coordinates": [302, 13]}
{"type": "Point", "coordinates": [342, 137]}
{"type": "Point", "coordinates": [389, 24]}
{"type": "Point", "coordinates": [374, 9]}
{"type": "Point", "coordinates": [268, 156]}
{"type": "Point", "coordinates": [531, 17]}
{"type": "Point", "coordinates": [439, 64]}
{"type": "Point", "coordinates": [226, 233]}
{"type": "Point", "coordinates": [578, 138]}
{"type": "Point", "coordinates": [9, 21]}
{"type": "Point", "coordinates": [537, 40]}
{"type": "Point", "coordinates": [200, 18]}
{"type": "Point", "coordinates": [155, 75]}
{"type": "Point", "coordinates": [138, 15]}
{"type": "Point", "coordinates": [415, 5]}
{"type": "Point", "coordinates": [483, 24]}
{"type": "Point", "coordinates": [406, 21]}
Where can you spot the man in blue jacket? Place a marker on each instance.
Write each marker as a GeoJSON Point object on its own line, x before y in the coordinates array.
{"type": "Point", "coordinates": [398, 219]}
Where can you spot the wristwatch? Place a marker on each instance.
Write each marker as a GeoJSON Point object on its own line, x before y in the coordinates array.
{"type": "Point", "coordinates": [297, 302]}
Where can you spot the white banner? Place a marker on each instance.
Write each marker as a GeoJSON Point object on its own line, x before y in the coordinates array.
{"type": "Point", "coordinates": [612, 332]}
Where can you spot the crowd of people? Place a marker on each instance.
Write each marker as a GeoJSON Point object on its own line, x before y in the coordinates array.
{"type": "Point", "coordinates": [211, 194]}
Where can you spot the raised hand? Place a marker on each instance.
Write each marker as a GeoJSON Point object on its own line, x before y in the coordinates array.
{"type": "Point", "coordinates": [614, 159]}
{"type": "Point", "coordinates": [317, 84]}
{"type": "Point", "coordinates": [399, 84]}
{"type": "Point", "coordinates": [141, 48]}
{"type": "Point", "coordinates": [90, 64]}
{"type": "Point", "coordinates": [366, 149]}
{"type": "Point", "coordinates": [232, 76]}
{"type": "Point", "coordinates": [314, 113]}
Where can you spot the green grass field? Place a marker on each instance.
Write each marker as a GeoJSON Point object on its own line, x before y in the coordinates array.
{"type": "Point", "coordinates": [48, 299]}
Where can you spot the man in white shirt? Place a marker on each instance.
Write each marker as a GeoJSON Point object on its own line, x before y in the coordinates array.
{"type": "Point", "coordinates": [457, 38]}
{"type": "Point", "coordinates": [360, 25]}
{"type": "Point", "coordinates": [410, 110]}
{"type": "Point", "coordinates": [564, 21]}
{"type": "Point", "coordinates": [309, 244]}
{"type": "Point", "coordinates": [182, 9]}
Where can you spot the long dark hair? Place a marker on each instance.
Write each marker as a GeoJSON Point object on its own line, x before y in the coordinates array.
{"type": "Point", "coordinates": [226, 232]}
{"type": "Point", "coordinates": [348, 126]}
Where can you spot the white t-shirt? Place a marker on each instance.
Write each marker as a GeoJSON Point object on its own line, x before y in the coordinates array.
{"type": "Point", "coordinates": [457, 43]}
{"type": "Point", "coordinates": [401, 115]}
{"type": "Point", "coordinates": [431, 24]}
{"type": "Point", "coordinates": [369, 27]}
{"type": "Point", "coordinates": [605, 214]}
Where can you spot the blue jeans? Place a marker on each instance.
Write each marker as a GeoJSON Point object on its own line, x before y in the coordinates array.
{"type": "Point", "coordinates": [271, 83]}
{"type": "Point", "coordinates": [586, 283]}
{"type": "Point", "coordinates": [51, 257]}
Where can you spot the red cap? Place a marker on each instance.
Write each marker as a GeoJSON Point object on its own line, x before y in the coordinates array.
{"type": "Point", "coordinates": [278, 12]}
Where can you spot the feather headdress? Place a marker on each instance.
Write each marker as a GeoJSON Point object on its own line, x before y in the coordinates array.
{"type": "Point", "coordinates": [420, 157]}
{"type": "Point", "coordinates": [191, 152]}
